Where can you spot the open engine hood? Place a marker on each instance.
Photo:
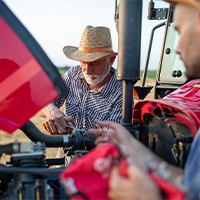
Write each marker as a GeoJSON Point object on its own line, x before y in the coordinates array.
{"type": "Point", "coordinates": [28, 79]}
{"type": "Point", "coordinates": [182, 105]}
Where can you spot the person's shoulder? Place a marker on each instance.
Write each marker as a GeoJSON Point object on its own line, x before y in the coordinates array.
{"type": "Point", "coordinates": [117, 83]}
{"type": "Point", "coordinates": [74, 70]}
{"type": "Point", "coordinates": [114, 85]}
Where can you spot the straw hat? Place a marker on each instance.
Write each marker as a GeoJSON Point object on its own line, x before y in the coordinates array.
{"type": "Point", "coordinates": [194, 3]}
{"type": "Point", "coordinates": [96, 43]}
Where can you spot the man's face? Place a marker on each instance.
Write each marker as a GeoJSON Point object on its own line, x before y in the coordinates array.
{"type": "Point", "coordinates": [186, 22]}
{"type": "Point", "coordinates": [95, 72]}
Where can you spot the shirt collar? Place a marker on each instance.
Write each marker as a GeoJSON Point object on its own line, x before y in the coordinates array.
{"type": "Point", "coordinates": [107, 88]}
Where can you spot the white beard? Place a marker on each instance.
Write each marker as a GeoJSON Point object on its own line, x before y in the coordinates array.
{"type": "Point", "coordinates": [98, 78]}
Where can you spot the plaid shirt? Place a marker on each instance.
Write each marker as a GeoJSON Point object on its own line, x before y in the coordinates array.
{"type": "Point", "coordinates": [88, 107]}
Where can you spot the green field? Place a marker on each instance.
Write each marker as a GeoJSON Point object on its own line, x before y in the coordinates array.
{"type": "Point", "coordinates": [150, 74]}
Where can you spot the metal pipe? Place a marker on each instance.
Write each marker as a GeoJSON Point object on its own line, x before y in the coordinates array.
{"type": "Point", "coordinates": [163, 49]}
{"type": "Point", "coordinates": [163, 46]}
{"type": "Point", "coordinates": [149, 51]}
{"type": "Point", "coordinates": [127, 101]}
{"type": "Point", "coordinates": [128, 70]}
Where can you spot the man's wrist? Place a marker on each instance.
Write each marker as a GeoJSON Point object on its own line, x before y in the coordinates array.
{"type": "Point", "coordinates": [47, 110]}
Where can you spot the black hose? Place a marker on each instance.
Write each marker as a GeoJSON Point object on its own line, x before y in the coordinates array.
{"type": "Point", "coordinates": [7, 149]}
{"type": "Point", "coordinates": [35, 135]}
{"type": "Point", "coordinates": [37, 171]}
{"type": "Point", "coordinates": [3, 176]}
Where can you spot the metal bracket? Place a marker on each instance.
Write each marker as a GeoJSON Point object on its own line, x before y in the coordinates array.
{"type": "Point", "coordinates": [158, 14]}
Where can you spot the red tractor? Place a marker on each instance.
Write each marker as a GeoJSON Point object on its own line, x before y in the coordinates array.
{"type": "Point", "coordinates": [166, 124]}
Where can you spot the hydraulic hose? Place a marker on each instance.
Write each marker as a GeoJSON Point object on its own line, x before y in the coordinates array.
{"type": "Point", "coordinates": [8, 149]}
{"type": "Point", "coordinates": [36, 171]}
{"type": "Point", "coordinates": [35, 135]}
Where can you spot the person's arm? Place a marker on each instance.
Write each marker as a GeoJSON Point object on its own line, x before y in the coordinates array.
{"type": "Point", "coordinates": [133, 148]}
{"type": "Point", "coordinates": [56, 121]}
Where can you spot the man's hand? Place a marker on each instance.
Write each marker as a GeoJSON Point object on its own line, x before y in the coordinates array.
{"type": "Point", "coordinates": [56, 121]}
{"type": "Point", "coordinates": [118, 134]}
{"type": "Point", "coordinates": [137, 185]}
{"type": "Point", "coordinates": [131, 147]}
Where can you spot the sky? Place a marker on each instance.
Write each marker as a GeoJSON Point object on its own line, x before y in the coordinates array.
{"type": "Point", "coordinates": [58, 23]}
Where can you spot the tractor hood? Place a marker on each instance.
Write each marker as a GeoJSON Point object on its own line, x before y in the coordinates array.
{"type": "Point", "coordinates": [28, 79]}
{"type": "Point", "coordinates": [182, 105]}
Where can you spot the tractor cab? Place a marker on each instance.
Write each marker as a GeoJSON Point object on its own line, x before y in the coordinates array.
{"type": "Point", "coordinates": [168, 124]}
{"type": "Point", "coordinates": [171, 70]}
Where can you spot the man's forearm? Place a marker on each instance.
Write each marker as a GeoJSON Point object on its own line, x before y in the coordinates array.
{"type": "Point", "coordinates": [147, 159]}
{"type": "Point", "coordinates": [47, 110]}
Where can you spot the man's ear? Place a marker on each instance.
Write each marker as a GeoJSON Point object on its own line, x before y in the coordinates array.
{"type": "Point", "coordinates": [112, 60]}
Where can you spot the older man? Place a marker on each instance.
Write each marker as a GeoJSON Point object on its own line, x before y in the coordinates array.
{"type": "Point", "coordinates": [94, 92]}
{"type": "Point", "coordinates": [138, 185]}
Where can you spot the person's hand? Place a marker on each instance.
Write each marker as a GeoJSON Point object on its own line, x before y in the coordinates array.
{"type": "Point", "coordinates": [102, 136]}
{"type": "Point", "coordinates": [137, 185]}
{"type": "Point", "coordinates": [129, 146]}
{"type": "Point", "coordinates": [56, 122]}
{"type": "Point", "coordinates": [118, 134]}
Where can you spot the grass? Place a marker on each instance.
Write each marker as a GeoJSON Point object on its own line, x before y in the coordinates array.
{"type": "Point", "coordinates": [150, 74]}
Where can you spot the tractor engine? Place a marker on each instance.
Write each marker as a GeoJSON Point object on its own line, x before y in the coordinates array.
{"type": "Point", "coordinates": [167, 126]}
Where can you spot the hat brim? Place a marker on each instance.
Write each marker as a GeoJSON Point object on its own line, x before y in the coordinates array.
{"type": "Point", "coordinates": [188, 2]}
{"type": "Point", "coordinates": [74, 54]}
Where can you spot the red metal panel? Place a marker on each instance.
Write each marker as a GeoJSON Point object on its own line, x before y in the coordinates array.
{"type": "Point", "coordinates": [24, 87]}
{"type": "Point", "coordinates": [183, 103]}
